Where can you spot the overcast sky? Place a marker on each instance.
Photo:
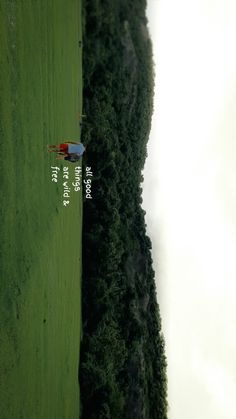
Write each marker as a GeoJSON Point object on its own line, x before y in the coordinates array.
{"type": "Point", "coordinates": [190, 200]}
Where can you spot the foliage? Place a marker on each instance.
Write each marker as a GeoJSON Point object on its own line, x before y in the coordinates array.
{"type": "Point", "coordinates": [123, 364]}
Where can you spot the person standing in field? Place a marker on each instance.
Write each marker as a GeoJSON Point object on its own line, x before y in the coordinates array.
{"type": "Point", "coordinates": [68, 148]}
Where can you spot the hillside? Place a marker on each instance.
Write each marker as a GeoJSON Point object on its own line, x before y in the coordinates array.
{"type": "Point", "coordinates": [123, 364]}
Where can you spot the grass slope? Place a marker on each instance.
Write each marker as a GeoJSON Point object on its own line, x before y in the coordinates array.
{"type": "Point", "coordinates": [40, 248]}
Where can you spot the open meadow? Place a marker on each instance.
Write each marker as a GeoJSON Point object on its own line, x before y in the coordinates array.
{"type": "Point", "coordinates": [40, 248]}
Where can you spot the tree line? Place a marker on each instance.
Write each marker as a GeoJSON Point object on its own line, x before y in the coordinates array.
{"type": "Point", "coordinates": [123, 365]}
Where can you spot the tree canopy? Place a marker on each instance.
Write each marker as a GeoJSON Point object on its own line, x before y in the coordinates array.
{"type": "Point", "coordinates": [123, 363]}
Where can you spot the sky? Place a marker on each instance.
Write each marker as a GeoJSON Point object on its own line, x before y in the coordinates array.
{"type": "Point", "coordinates": [189, 194]}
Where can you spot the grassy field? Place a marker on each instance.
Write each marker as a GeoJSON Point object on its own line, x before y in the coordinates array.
{"type": "Point", "coordinates": [40, 248]}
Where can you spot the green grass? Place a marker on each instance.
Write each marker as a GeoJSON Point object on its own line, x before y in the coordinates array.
{"type": "Point", "coordinates": [40, 248]}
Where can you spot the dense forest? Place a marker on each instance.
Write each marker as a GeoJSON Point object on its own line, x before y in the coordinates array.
{"type": "Point", "coordinates": [123, 366]}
